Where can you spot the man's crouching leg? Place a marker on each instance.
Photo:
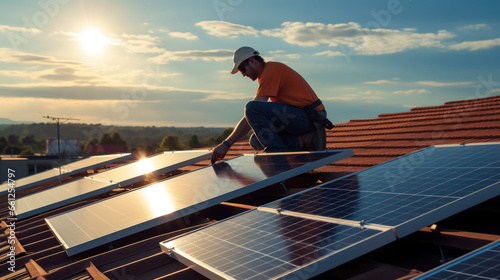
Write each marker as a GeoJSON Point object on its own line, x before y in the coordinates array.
{"type": "Point", "coordinates": [255, 143]}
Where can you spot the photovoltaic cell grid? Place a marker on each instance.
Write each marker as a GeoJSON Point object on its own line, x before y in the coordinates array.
{"type": "Point", "coordinates": [66, 170]}
{"type": "Point", "coordinates": [105, 181]}
{"type": "Point", "coordinates": [119, 216]}
{"type": "Point", "coordinates": [404, 194]}
{"type": "Point", "coordinates": [263, 245]}
{"type": "Point", "coordinates": [393, 193]}
{"type": "Point", "coordinates": [481, 264]}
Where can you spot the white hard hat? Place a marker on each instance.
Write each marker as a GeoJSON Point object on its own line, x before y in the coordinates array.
{"type": "Point", "coordinates": [240, 55]}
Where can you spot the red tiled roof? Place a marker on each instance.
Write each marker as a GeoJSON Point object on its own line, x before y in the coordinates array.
{"type": "Point", "coordinates": [392, 135]}
{"type": "Point", "coordinates": [373, 141]}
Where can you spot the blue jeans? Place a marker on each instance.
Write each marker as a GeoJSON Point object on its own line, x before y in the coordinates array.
{"type": "Point", "coordinates": [276, 126]}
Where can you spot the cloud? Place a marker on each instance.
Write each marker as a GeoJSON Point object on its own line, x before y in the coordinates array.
{"type": "Point", "coordinates": [125, 104]}
{"type": "Point", "coordinates": [123, 93]}
{"type": "Point", "coordinates": [442, 84]}
{"type": "Point", "coordinates": [183, 35]}
{"type": "Point", "coordinates": [312, 34]}
{"type": "Point", "coordinates": [476, 45]}
{"type": "Point", "coordinates": [228, 97]}
{"type": "Point", "coordinates": [372, 93]}
{"type": "Point", "coordinates": [110, 39]}
{"type": "Point", "coordinates": [48, 71]}
{"type": "Point", "coordinates": [11, 55]}
{"type": "Point", "coordinates": [280, 54]}
{"type": "Point", "coordinates": [59, 76]}
{"type": "Point", "coordinates": [131, 43]}
{"type": "Point", "coordinates": [425, 83]}
{"type": "Point", "coordinates": [66, 74]}
{"type": "Point", "coordinates": [226, 29]}
{"type": "Point", "coordinates": [352, 38]}
{"type": "Point", "coordinates": [6, 28]}
{"type": "Point", "coordinates": [411, 91]}
{"type": "Point", "coordinates": [142, 43]}
{"type": "Point", "coordinates": [330, 53]}
{"type": "Point", "coordinates": [474, 27]}
{"type": "Point", "coordinates": [381, 82]}
{"type": "Point", "coordinates": [343, 97]}
{"type": "Point", "coordinates": [208, 55]}
{"type": "Point", "coordinates": [366, 96]}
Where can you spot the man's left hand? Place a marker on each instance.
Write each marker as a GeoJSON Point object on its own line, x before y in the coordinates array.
{"type": "Point", "coordinates": [219, 152]}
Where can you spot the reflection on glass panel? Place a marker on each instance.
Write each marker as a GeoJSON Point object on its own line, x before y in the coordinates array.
{"type": "Point", "coordinates": [182, 195]}
{"type": "Point", "coordinates": [395, 192]}
{"type": "Point", "coordinates": [158, 200]}
{"type": "Point", "coordinates": [481, 264]}
{"type": "Point", "coordinates": [265, 244]}
{"type": "Point", "coordinates": [145, 166]}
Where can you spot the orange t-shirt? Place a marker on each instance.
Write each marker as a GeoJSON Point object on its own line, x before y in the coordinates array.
{"type": "Point", "coordinates": [282, 84]}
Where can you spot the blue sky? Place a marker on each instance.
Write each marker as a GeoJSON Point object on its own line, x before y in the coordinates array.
{"type": "Point", "coordinates": [167, 63]}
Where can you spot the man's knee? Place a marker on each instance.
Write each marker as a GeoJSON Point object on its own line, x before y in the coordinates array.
{"type": "Point", "coordinates": [253, 106]}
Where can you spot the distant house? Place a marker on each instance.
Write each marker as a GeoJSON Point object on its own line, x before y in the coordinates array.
{"type": "Point", "coordinates": [64, 147]}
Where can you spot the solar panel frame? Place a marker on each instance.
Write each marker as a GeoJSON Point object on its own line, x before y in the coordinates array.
{"type": "Point", "coordinates": [102, 230]}
{"type": "Point", "coordinates": [105, 181]}
{"type": "Point", "coordinates": [66, 170]}
{"type": "Point", "coordinates": [480, 264]}
{"type": "Point", "coordinates": [59, 196]}
{"type": "Point", "coordinates": [153, 167]}
{"type": "Point", "coordinates": [479, 156]}
{"type": "Point", "coordinates": [447, 205]}
{"type": "Point", "coordinates": [315, 245]}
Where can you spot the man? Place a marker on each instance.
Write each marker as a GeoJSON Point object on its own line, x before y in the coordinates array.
{"type": "Point", "coordinates": [295, 119]}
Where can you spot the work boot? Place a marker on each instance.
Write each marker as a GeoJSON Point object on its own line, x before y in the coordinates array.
{"type": "Point", "coordinates": [314, 140]}
{"type": "Point", "coordinates": [255, 143]}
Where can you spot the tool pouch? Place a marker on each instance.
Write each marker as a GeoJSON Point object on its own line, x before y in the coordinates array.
{"type": "Point", "coordinates": [317, 118]}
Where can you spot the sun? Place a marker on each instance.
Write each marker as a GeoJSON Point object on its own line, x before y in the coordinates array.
{"type": "Point", "coordinates": [92, 40]}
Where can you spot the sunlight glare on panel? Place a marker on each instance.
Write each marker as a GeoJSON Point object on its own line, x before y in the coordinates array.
{"type": "Point", "coordinates": [145, 166]}
{"type": "Point", "coordinates": [158, 200]}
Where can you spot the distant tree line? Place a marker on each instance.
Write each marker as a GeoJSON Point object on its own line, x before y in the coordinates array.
{"type": "Point", "coordinates": [172, 142]}
{"type": "Point", "coordinates": [15, 145]}
{"type": "Point", "coordinates": [106, 139]}
{"type": "Point", "coordinates": [31, 139]}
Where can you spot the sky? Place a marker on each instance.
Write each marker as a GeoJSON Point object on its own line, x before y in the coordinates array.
{"type": "Point", "coordinates": [167, 63]}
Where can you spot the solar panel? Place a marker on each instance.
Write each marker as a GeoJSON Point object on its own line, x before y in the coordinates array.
{"type": "Point", "coordinates": [481, 264]}
{"type": "Point", "coordinates": [66, 170]}
{"type": "Point", "coordinates": [400, 196]}
{"type": "Point", "coordinates": [61, 195]}
{"type": "Point", "coordinates": [395, 193]}
{"type": "Point", "coordinates": [102, 182]}
{"type": "Point", "coordinates": [128, 213]}
{"type": "Point", "coordinates": [264, 245]}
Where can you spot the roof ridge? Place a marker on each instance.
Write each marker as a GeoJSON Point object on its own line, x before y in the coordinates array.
{"type": "Point", "coordinates": [483, 100]}
{"type": "Point", "coordinates": [431, 137]}
{"type": "Point", "coordinates": [480, 99]}
{"type": "Point", "coordinates": [412, 124]}
{"type": "Point", "coordinates": [400, 120]}
{"type": "Point", "coordinates": [480, 102]}
{"type": "Point", "coordinates": [417, 131]}
{"type": "Point", "coordinates": [440, 112]}
{"type": "Point", "coordinates": [443, 108]}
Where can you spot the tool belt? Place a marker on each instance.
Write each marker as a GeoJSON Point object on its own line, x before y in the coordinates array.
{"type": "Point", "coordinates": [315, 117]}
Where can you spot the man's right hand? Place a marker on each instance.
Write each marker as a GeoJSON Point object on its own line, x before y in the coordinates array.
{"type": "Point", "coordinates": [219, 152]}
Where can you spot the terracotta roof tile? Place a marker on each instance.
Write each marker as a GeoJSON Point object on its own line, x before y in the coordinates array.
{"type": "Point", "coordinates": [391, 135]}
